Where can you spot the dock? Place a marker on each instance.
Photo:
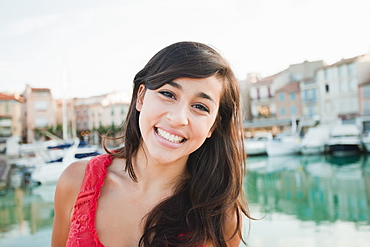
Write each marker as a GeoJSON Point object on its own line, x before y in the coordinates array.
{"type": "Point", "coordinates": [4, 172]}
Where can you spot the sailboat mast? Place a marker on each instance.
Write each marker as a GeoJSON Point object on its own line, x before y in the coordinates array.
{"type": "Point", "coordinates": [64, 105]}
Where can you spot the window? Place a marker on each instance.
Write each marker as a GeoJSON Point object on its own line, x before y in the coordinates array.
{"type": "Point", "coordinates": [305, 94]}
{"type": "Point", "coordinates": [366, 91]}
{"type": "Point", "coordinates": [41, 105]}
{"type": "Point", "coordinates": [326, 74]}
{"type": "Point", "coordinates": [41, 122]}
{"type": "Point", "coordinates": [253, 93]}
{"type": "Point", "coordinates": [293, 110]}
{"type": "Point", "coordinates": [41, 92]}
{"type": "Point", "coordinates": [343, 70]}
{"type": "Point", "coordinates": [292, 96]}
{"type": "Point", "coordinates": [264, 92]}
{"type": "Point", "coordinates": [5, 122]}
{"type": "Point", "coordinates": [311, 111]}
{"type": "Point", "coordinates": [282, 111]}
{"type": "Point", "coordinates": [340, 71]}
{"type": "Point", "coordinates": [351, 69]}
{"type": "Point", "coordinates": [327, 88]}
{"type": "Point", "coordinates": [366, 108]}
{"type": "Point", "coordinates": [342, 86]}
{"type": "Point", "coordinates": [353, 84]}
{"type": "Point", "coordinates": [313, 94]}
{"type": "Point", "coordinates": [281, 96]}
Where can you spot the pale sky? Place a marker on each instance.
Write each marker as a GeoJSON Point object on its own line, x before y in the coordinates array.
{"type": "Point", "coordinates": [94, 47]}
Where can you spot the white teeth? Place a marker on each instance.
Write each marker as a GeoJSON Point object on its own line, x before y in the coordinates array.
{"type": "Point", "coordinates": [169, 137]}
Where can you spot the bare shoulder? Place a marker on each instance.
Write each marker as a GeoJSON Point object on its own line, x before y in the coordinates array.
{"type": "Point", "coordinates": [66, 193]}
{"type": "Point", "coordinates": [73, 175]}
{"type": "Point", "coordinates": [233, 238]}
{"type": "Point", "coordinates": [232, 222]}
{"type": "Point", "coordinates": [69, 183]}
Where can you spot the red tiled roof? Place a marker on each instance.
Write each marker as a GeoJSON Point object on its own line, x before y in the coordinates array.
{"type": "Point", "coordinates": [40, 89]}
{"type": "Point", "coordinates": [4, 96]}
{"type": "Point", "coordinates": [290, 88]}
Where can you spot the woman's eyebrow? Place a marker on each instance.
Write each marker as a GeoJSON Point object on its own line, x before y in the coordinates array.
{"type": "Point", "coordinates": [175, 84]}
{"type": "Point", "coordinates": [205, 96]}
{"type": "Point", "coordinates": [200, 94]}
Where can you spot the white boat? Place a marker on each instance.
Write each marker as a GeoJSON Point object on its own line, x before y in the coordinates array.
{"type": "Point", "coordinates": [345, 140]}
{"type": "Point", "coordinates": [315, 140]}
{"type": "Point", "coordinates": [50, 173]}
{"type": "Point", "coordinates": [284, 144]}
{"type": "Point", "coordinates": [257, 144]}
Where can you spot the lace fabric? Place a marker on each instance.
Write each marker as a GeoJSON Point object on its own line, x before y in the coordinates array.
{"type": "Point", "coordinates": [82, 230]}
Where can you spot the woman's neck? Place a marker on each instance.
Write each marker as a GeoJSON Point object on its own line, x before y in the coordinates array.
{"type": "Point", "coordinates": [153, 175]}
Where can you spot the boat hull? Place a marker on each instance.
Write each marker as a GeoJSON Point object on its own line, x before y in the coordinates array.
{"type": "Point", "coordinates": [345, 149]}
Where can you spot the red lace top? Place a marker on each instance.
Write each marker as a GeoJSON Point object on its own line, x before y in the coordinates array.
{"type": "Point", "coordinates": [82, 230]}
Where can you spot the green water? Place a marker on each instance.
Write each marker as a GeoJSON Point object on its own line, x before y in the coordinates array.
{"type": "Point", "coordinates": [306, 201]}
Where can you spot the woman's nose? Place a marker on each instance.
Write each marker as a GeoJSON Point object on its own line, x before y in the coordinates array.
{"type": "Point", "coordinates": [178, 115]}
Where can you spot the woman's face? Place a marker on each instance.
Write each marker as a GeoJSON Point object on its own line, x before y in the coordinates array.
{"type": "Point", "coordinates": [176, 118]}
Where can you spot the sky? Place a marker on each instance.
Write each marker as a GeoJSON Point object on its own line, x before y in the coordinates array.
{"type": "Point", "coordinates": [81, 48]}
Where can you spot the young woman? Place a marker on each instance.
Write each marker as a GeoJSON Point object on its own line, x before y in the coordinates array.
{"type": "Point", "coordinates": [178, 179]}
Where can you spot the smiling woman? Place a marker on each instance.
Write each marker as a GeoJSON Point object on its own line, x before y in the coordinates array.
{"type": "Point", "coordinates": [177, 181]}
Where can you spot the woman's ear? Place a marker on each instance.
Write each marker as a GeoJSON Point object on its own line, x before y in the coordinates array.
{"type": "Point", "coordinates": [140, 97]}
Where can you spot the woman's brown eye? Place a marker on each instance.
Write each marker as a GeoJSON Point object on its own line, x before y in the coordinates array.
{"type": "Point", "coordinates": [167, 94]}
{"type": "Point", "coordinates": [201, 107]}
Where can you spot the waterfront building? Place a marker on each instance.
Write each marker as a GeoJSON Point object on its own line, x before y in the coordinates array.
{"type": "Point", "coordinates": [10, 117]}
{"type": "Point", "coordinates": [309, 91]}
{"type": "Point", "coordinates": [288, 101]}
{"type": "Point", "coordinates": [339, 89]}
{"type": "Point", "coordinates": [296, 72]}
{"type": "Point", "coordinates": [364, 103]}
{"type": "Point", "coordinates": [100, 113]}
{"type": "Point", "coordinates": [11, 114]}
{"type": "Point", "coordinates": [115, 106]}
{"type": "Point", "coordinates": [276, 99]}
{"type": "Point", "coordinates": [262, 98]}
{"type": "Point", "coordinates": [245, 87]}
{"type": "Point", "coordinates": [88, 113]}
{"type": "Point", "coordinates": [39, 113]}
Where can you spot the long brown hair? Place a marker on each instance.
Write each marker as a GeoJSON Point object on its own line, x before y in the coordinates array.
{"type": "Point", "coordinates": [196, 213]}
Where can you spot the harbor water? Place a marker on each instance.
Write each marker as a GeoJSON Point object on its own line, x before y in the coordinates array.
{"type": "Point", "coordinates": [306, 201]}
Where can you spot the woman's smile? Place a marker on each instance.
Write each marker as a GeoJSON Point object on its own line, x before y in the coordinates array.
{"type": "Point", "coordinates": [169, 137]}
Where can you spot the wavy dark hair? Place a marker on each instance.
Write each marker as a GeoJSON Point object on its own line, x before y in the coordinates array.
{"type": "Point", "coordinates": [198, 210]}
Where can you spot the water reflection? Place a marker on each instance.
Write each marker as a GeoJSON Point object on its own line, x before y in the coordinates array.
{"type": "Point", "coordinates": [321, 189]}
{"type": "Point", "coordinates": [318, 195]}
{"type": "Point", "coordinates": [26, 211]}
